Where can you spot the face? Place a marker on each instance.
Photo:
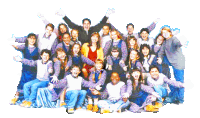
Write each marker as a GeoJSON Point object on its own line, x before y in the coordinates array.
{"type": "Point", "coordinates": [132, 42]}
{"type": "Point", "coordinates": [166, 34]}
{"type": "Point", "coordinates": [160, 40]}
{"type": "Point", "coordinates": [115, 54]}
{"type": "Point", "coordinates": [136, 75]}
{"type": "Point", "coordinates": [94, 38]}
{"type": "Point", "coordinates": [98, 66]}
{"type": "Point", "coordinates": [113, 35]}
{"type": "Point", "coordinates": [86, 25]}
{"type": "Point", "coordinates": [74, 34]}
{"type": "Point", "coordinates": [133, 55]}
{"type": "Point", "coordinates": [130, 29]}
{"type": "Point", "coordinates": [61, 55]}
{"type": "Point", "coordinates": [154, 73]}
{"type": "Point", "coordinates": [66, 38]}
{"type": "Point", "coordinates": [31, 40]}
{"type": "Point", "coordinates": [45, 57]}
{"type": "Point", "coordinates": [48, 30]}
{"type": "Point", "coordinates": [115, 78]}
{"type": "Point", "coordinates": [145, 51]}
{"type": "Point", "coordinates": [76, 49]}
{"type": "Point", "coordinates": [63, 29]}
{"type": "Point", "coordinates": [105, 30]}
{"type": "Point", "coordinates": [75, 71]}
{"type": "Point", "coordinates": [144, 35]}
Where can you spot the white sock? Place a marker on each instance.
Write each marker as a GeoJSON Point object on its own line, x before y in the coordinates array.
{"type": "Point", "coordinates": [17, 97]}
{"type": "Point", "coordinates": [95, 101]}
{"type": "Point", "coordinates": [89, 101]}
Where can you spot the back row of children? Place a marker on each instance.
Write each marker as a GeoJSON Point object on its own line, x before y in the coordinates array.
{"type": "Point", "coordinates": [124, 71]}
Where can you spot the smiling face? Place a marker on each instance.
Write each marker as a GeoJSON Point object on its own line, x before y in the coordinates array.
{"type": "Point", "coordinates": [144, 35]}
{"type": "Point", "coordinates": [115, 53]}
{"type": "Point", "coordinates": [136, 75]}
{"type": "Point", "coordinates": [115, 78]}
{"type": "Point", "coordinates": [61, 55]}
{"type": "Point", "coordinates": [74, 34]}
{"type": "Point", "coordinates": [106, 30]}
{"type": "Point", "coordinates": [75, 71]}
{"type": "Point", "coordinates": [86, 25]}
{"type": "Point", "coordinates": [76, 49]}
{"type": "Point", "coordinates": [66, 38]}
{"type": "Point", "coordinates": [154, 73]}
{"type": "Point", "coordinates": [113, 35]}
{"type": "Point", "coordinates": [130, 29]}
{"type": "Point", "coordinates": [45, 57]}
{"type": "Point", "coordinates": [94, 38]}
{"type": "Point", "coordinates": [160, 40]}
{"type": "Point", "coordinates": [31, 40]}
{"type": "Point", "coordinates": [98, 65]}
{"type": "Point", "coordinates": [132, 42]}
{"type": "Point", "coordinates": [145, 51]}
{"type": "Point", "coordinates": [133, 55]}
{"type": "Point", "coordinates": [63, 29]}
{"type": "Point", "coordinates": [48, 31]}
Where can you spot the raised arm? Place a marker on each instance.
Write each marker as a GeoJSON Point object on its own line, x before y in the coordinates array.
{"type": "Point", "coordinates": [87, 60]}
{"type": "Point", "coordinates": [173, 82]}
{"type": "Point", "coordinates": [19, 47]}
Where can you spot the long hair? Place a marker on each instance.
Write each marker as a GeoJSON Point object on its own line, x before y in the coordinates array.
{"type": "Point", "coordinates": [117, 32]}
{"type": "Point", "coordinates": [136, 58]}
{"type": "Point", "coordinates": [29, 36]}
{"type": "Point", "coordinates": [63, 64]}
{"type": "Point", "coordinates": [59, 32]}
{"type": "Point", "coordinates": [136, 47]}
{"type": "Point", "coordinates": [72, 52]}
{"type": "Point", "coordinates": [155, 40]}
{"type": "Point", "coordinates": [141, 54]}
{"type": "Point", "coordinates": [140, 81]}
{"type": "Point", "coordinates": [98, 42]}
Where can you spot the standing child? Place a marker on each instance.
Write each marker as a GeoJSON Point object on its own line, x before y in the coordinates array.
{"type": "Point", "coordinates": [44, 68]}
{"type": "Point", "coordinates": [30, 51]}
{"type": "Point", "coordinates": [98, 76]}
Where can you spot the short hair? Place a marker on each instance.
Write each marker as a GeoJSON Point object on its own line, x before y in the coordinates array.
{"type": "Point", "coordinates": [46, 51]}
{"type": "Point", "coordinates": [64, 34]}
{"type": "Point", "coordinates": [77, 66]}
{"type": "Point", "coordinates": [85, 20]}
{"type": "Point", "coordinates": [74, 30]}
{"type": "Point", "coordinates": [50, 25]}
{"type": "Point", "coordinates": [144, 29]}
{"type": "Point", "coordinates": [107, 24]}
{"type": "Point", "coordinates": [129, 24]}
{"type": "Point", "coordinates": [153, 66]}
{"type": "Point", "coordinates": [115, 48]}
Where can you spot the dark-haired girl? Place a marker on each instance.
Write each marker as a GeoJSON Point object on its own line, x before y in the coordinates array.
{"type": "Point", "coordinates": [30, 51]}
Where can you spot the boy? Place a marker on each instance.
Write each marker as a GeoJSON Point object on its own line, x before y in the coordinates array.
{"type": "Point", "coordinates": [44, 69]}
{"type": "Point", "coordinates": [145, 39]}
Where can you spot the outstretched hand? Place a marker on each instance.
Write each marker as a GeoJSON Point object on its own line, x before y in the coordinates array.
{"type": "Point", "coordinates": [17, 58]}
{"type": "Point", "coordinates": [110, 11]}
{"type": "Point", "coordinates": [60, 12]}
{"type": "Point", "coordinates": [40, 15]}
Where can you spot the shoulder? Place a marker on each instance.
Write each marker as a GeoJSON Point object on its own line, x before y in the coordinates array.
{"type": "Point", "coordinates": [85, 45]}
{"type": "Point", "coordinates": [121, 83]}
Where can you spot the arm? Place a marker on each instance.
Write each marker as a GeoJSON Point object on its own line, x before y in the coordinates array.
{"type": "Point", "coordinates": [87, 60]}
{"type": "Point", "coordinates": [123, 90]}
{"type": "Point", "coordinates": [61, 83]}
{"type": "Point", "coordinates": [147, 89]}
{"type": "Point", "coordinates": [98, 26]}
{"type": "Point", "coordinates": [70, 23]}
{"type": "Point", "coordinates": [69, 63]}
{"type": "Point", "coordinates": [129, 87]}
{"type": "Point", "coordinates": [173, 82]}
{"type": "Point", "coordinates": [123, 35]}
{"type": "Point", "coordinates": [57, 65]}
{"type": "Point", "coordinates": [20, 39]}
{"type": "Point", "coordinates": [106, 48]}
{"type": "Point", "coordinates": [139, 66]}
{"type": "Point", "coordinates": [29, 62]}
{"type": "Point", "coordinates": [102, 79]}
{"type": "Point", "coordinates": [124, 51]}
{"type": "Point", "coordinates": [19, 47]}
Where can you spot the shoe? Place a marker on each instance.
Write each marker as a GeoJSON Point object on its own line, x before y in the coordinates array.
{"type": "Point", "coordinates": [78, 108]}
{"type": "Point", "coordinates": [89, 107]}
{"type": "Point", "coordinates": [13, 101]}
{"type": "Point", "coordinates": [28, 104]}
{"type": "Point", "coordinates": [71, 111]}
{"type": "Point", "coordinates": [95, 108]}
{"type": "Point", "coordinates": [104, 111]}
{"type": "Point", "coordinates": [62, 104]}
{"type": "Point", "coordinates": [23, 104]}
{"type": "Point", "coordinates": [151, 108]}
{"type": "Point", "coordinates": [119, 111]}
{"type": "Point", "coordinates": [158, 105]}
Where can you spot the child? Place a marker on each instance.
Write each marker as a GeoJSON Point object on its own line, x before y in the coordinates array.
{"type": "Point", "coordinates": [115, 89]}
{"type": "Point", "coordinates": [44, 69]}
{"type": "Point", "coordinates": [74, 37]}
{"type": "Point", "coordinates": [132, 43]}
{"type": "Point", "coordinates": [144, 33]}
{"type": "Point", "coordinates": [140, 95]}
{"type": "Point", "coordinates": [92, 51]}
{"type": "Point", "coordinates": [114, 64]}
{"type": "Point", "coordinates": [146, 57]}
{"type": "Point", "coordinates": [98, 76]}
{"type": "Point", "coordinates": [160, 83]}
{"type": "Point", "coordinates": [73, 83]}
{"type": "Point", "coordinates": [78, 59]}
{"type": "Point", "coordinates": [105, 37]}
{"type": "Point", "coordinates": [30, 51]}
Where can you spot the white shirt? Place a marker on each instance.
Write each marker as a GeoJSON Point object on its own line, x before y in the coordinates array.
{"type": "Point", "coordinates": [73, 83]}
{"type": "Point", "coordinates": [114, 90]}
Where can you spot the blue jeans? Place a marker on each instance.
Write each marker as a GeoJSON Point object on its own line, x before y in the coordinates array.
{"type": "Point", "coordinates": [161, 91]}
{"type": "Point", "coordinates": [176, 93]}
{"type": "Point", "coordinates": [31, 88]}
{"type": "Point", "coordinates": [75, 98]}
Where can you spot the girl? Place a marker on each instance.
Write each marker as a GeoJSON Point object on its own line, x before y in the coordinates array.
{"type": "Point", "coordinates": [74, 37]}
{"type": "Point", "coordinates": [30, 51]}
{"type": "Point", "coordinates": [116, 41]}
{"type": "Point", "coordinates": [92, 51]}
{"type": "Point", "coordinates": [78, 59]}
{"type": "Point", "coordinates": [98, 76]}
{"type": "Point", "coordinates": [132, 43]}
{"type": "Point", "coordinates": [146, 56]}
{"type": "Point", "coordinates": [140, 95]}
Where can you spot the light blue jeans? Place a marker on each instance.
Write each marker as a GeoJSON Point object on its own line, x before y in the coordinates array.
{"type": "Point", "coordinates": [161, 91]}
{"type": "Point", "coordinates": [75, 98]}
{"type": "Point", "coordinates": [31, 88]}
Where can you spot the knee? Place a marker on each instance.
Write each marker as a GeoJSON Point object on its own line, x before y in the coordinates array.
{"type": "Point", "coordinates": [83, 92]}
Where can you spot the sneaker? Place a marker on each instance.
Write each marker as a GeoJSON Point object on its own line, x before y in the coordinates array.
{"type": "Point", "coordinates": [70, 111]}
{"type": "Point", "coordinates": [95, 108]}
{"type": "Point", "coordinates": [28, 104]}
{"type": "Point", "coordinates": [62, 104]}
{"type": "Point", "coordinates": [151, 108]}
{"type": "Point", "coordinates": [89, 107]}
{"type": "Point", "coordinates": [104, 111]}
{"type": "Point", "coordinates": [13, 101]}
{"type": "Point", "coordinates": [78, 108]}
{"type": "Point", "coordinates": [23, 104]}
{"type": "Point", "coordinates": [158, 105]}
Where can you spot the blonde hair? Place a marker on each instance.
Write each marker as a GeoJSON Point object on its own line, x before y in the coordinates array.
{"type": "Point", "coordinates": [65, 61]}
{"type": "Point", "coordinates": [167, 29]}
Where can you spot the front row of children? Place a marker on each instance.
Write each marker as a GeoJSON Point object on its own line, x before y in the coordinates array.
{"type": "Point", "coordinates": [135, 94]}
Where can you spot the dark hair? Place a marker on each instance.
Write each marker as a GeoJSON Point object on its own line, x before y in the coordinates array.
{"type": "Point", "coordinates": [144, 29]}
{"type": "Point", "coordinates": [155, 40]}
{"type": "Point", "coordinates": [29, 36]}
{"type": "Point", "coordinates": [141, 54]}
{"type": "Point", "coordinates": [50, 25]}
{"type": "Point", "coordinates": [64, 34]}
{"type": "Point", "coordinates": [107, 24]}
{"type": "Point", "coordinates": [129, 24]}
{"type": "Point", "coordinates": [46, 51]}
{"type": "Point", "coordinates": [72, 53]}
{"type": "Point", "coordinates": [74, 65]}
{"type": "Point", "coordinates": [59, 32]}
{"type": "Point", "coordinates": [140, 80]}
{"type": "Point", "coordinates": [85, 20]}
{"type": "Point", "coordinates": [115, 48]}
{"type": "Point", "coordinates": [153, 66]}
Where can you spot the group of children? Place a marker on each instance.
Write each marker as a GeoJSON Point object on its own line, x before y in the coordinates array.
{"type": "Point", "coordinates": [99, 66]}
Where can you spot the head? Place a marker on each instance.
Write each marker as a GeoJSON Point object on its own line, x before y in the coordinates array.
{"type": "Point", "coordinates": [74, 33]}
{"type": "Point", "coordinates": [154, 71]}
{"type": "Point", "coordinates": [45, 55]}
{"type": "Point", "coordinates": [60, 54]}
{"type": "Point", "coordinates": [49, 29]}
{"type": "Point", "coordinates": [166, 32]}
{"type": "Point", "coordinates": [66, 38]}
{"type": "Point", "coordinates": [114, 34]}
{"type": "Point", "coordinates": [98, 64]}
{"type": "Point", "coordinates": [134, 55]}
{"type": "Point", "coordinates": [95, 38]}
{"type": "Point", "coordinates": [32, 40]}
{"type": "Point", "coordinates": [76, 49]}
{"type": "Point", "coordinates": [75, 70]}
{"type": "Point", "coordinates": [137, 75]}
{"type": "Point", "coordinates": [106, 29]}
{"type": "Point", "coordinates": [145, 50]}
{"type": "Point", "coordinates": [132, 42]}
{"type": "Point", "coordinates": [130, 28]}
{"type": "Point", "coordinates": [86, 24]}
{"type": "Point", "coordinates": [115, 52]}
{"type": "Point", "coordinates": [144, 33]}
{"type": "Point", "coordinates": [62, 28]}
{"type": "Point", "coordinates": [159, 39]}
{"type": "Point", "coordinates": [115, 78]}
